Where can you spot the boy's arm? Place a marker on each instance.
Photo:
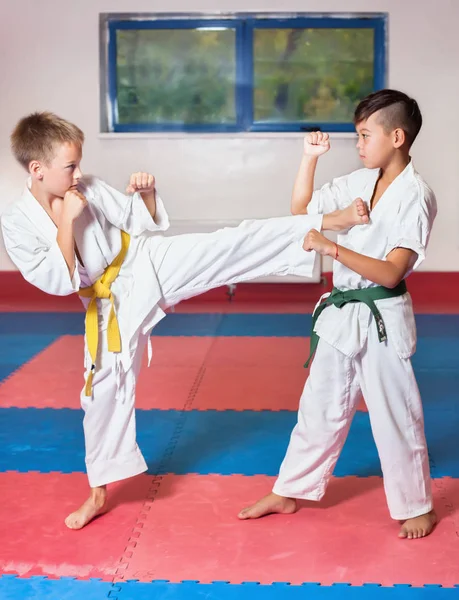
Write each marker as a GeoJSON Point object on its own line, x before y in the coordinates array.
{"type": "Point", "coordinates": [388, 273]}
{"type": "Point", "coordinates": [73, 206]}
{"type": "Point", "coordinates": [138, 211]}
{"type": "Point", "coordinates": [315, 144]}
{"type": "Point", "coordinates": [65, 241]}
{"type": "Point", "coordinates": [144, 183]}
{"type": "Point", "coordinates": [40, 262]}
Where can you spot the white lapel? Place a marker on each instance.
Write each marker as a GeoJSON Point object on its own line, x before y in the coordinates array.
{"type": "Point", "coordinates": [393, 197]}
{"type": "Point", "coordinates": [34, 211]}
{"type": "Point", "coordinates": [89, 237]}
{"type": "Point", "coordinates": [91, 244]}
{"type": "Point", "coordinates": [369, 185]}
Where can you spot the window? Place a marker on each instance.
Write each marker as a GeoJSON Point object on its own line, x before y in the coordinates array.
{"type": "Point", "coordinates": [240, 73]}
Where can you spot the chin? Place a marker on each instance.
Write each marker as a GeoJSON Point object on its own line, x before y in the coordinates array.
{"type": "Point", "coordinates": [369, 164]}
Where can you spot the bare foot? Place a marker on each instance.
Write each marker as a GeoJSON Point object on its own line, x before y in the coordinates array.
{"type": "Point", "coordinates": [354, 214]}
{"type": "Point", "coordinates": [94, 506]}
{"type": "Point", "coordinates": [418, 527]}
{"type": "Point", "coordinates": [272, 503]}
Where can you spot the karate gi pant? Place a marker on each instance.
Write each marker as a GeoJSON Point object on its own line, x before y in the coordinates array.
{"type": "Point", "coordinates": [327, 406]}
{"type": "Point", "coordinates": [185, 265]}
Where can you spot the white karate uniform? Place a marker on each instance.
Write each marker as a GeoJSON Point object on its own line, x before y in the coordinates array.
{"type": "Point", "coordinates": [157, 272]}
{"type": "Point", "coordinates": [351, 361]}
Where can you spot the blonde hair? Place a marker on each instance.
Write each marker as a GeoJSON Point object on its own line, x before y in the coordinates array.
{"type": "Point", "coordinates": [36, 136]}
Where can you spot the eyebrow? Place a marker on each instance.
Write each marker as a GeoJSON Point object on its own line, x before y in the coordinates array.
{"type": "Point", "coordinates": [364, 129]}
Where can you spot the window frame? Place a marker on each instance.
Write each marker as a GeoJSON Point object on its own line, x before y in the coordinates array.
{"type": "Point", "coordinates": [244, 25]}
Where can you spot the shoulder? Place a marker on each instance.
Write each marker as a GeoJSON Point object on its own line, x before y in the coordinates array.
{"type": "Point", "coordinates": [15, 214]}
{"type": "Point", "coordinates": [89, 183]}
{"type": "Point", "coordinates": [417, 202]}
{"type": "Point", "coordinates": [424, 190]}
{"type": "Point", "coordinates": [421, 196]}
{"type": "Point", "coordinates": [95, 188]}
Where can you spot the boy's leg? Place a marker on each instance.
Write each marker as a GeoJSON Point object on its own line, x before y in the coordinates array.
{"type": "Point", "coordinates": [188, 265]}
{"type": "Point", "coordinates": [109, 425]}
{"type": "Point", "coordinates": [327, 406]}
{"type": "Point", "coordinates": [395, 409]}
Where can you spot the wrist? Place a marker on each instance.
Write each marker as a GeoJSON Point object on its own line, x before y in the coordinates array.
{"type": "Point", "coordinates": [147, 194]}
{"type": "Point", "coordinates": [67, 220]}
{"type": "Point", "coordinates": [310, 159]}
{"type": "Point", "coordinates": [333, 250]}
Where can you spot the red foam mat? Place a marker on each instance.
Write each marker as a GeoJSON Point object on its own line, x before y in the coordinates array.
{"type": "Point", "coordinates": [35, 540]}
{"type": "Point", "coordinates": [250, 388]}
{"type": "Point", "coordinates": [166, 384]}
{"type": "Point", "coordinates": [185, 527]}
{"type": "Point", "coordinates": [236, 374]}
{"type": "Point", "coordinates": [191, 532]}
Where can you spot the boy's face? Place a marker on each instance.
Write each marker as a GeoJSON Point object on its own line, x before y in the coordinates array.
{"type": "Point", "coordinates": [63, 172]}
{"type": "Point", "coordinates": [376, 146]}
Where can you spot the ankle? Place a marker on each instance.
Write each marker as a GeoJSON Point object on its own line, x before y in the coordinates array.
{"type": "Point", "coordinates": [99, 494]}
{"type": "Point", "coordinates": [332, 221]}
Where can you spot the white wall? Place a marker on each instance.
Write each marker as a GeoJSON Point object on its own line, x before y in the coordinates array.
{"type": "Point", "coordinates": [53, 64]}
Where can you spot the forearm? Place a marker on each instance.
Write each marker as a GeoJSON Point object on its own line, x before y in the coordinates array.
{"type": "Point", "coordinates": [304, 185]}
{"type": "Point", "coordinates": [381, 272]}
{"type": "Point", "coordinates": [149, 199]}
{"type": "Point", "coordinates": [65, 241]}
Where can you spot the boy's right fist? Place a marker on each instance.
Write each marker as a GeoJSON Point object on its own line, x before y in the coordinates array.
{"type": "Point", "coordinates": [316, 143]}
{"type": "Point", "coordinates": [74, 204]}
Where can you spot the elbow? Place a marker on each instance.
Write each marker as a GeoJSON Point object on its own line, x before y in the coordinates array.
{"type": "Point", "coordinates": [393, 281]}
{"type": "Point", "coordinates": [298, 211]}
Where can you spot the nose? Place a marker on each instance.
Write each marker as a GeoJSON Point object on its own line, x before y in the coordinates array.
{"type": "Point", "coordinates": [77, 174]}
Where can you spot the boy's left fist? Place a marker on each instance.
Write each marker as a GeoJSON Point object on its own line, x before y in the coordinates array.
{"type": "Point", "coordinates": [141, 182]}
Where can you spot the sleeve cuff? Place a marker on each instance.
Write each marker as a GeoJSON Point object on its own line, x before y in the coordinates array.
{"type": "Point", "coordinates": [144, 220]}
{"type": "Point", "coordinates": [413, 245]}
{"type": "Point", "coordinates": [313, 207]}
{"type": "Point", "coordinates": [161, 217]}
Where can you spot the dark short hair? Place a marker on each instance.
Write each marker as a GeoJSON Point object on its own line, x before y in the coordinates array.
{"type": "Point", "coordinates": [398, 110]}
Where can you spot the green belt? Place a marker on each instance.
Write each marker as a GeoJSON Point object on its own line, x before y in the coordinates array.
{"type": "Point", "coordinates": [368, 297]}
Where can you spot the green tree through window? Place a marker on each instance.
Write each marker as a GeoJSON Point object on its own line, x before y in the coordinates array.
{"type": "Point", "coordinates": [242, 73]}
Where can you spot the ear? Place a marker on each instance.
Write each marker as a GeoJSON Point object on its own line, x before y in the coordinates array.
{"type": "Point", "coordinates": [36, 170]}
{"type": "Point", "coordinates": [399, 137]}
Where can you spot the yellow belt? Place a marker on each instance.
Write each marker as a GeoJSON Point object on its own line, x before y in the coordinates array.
{"type": "Point", "coordinates": [101, 289]}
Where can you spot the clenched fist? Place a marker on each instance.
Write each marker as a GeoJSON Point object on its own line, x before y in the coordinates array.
{"type": "Point", "coordinates": [318, 242]}
{"type": "Point", "coordinates": [316, 143]}
{"type": "Point", "coordinates": [141, 182]}
{"type": "Point", "coordinates": [74, 204]}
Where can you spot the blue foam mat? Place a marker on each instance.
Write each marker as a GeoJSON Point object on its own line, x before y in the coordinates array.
{"type": "Point", "coordinates": [276, 591]}
{"type": "Point", "coordinates": [52, 439]}
{"type": "Point", "coordinates": [224, 442]}
{"type": "Point", "coordinates": [207, 324]}
{"type": "Point", "coordinates": [15, 350]}
{"type": "Point", "coordinates": [41, 588]}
